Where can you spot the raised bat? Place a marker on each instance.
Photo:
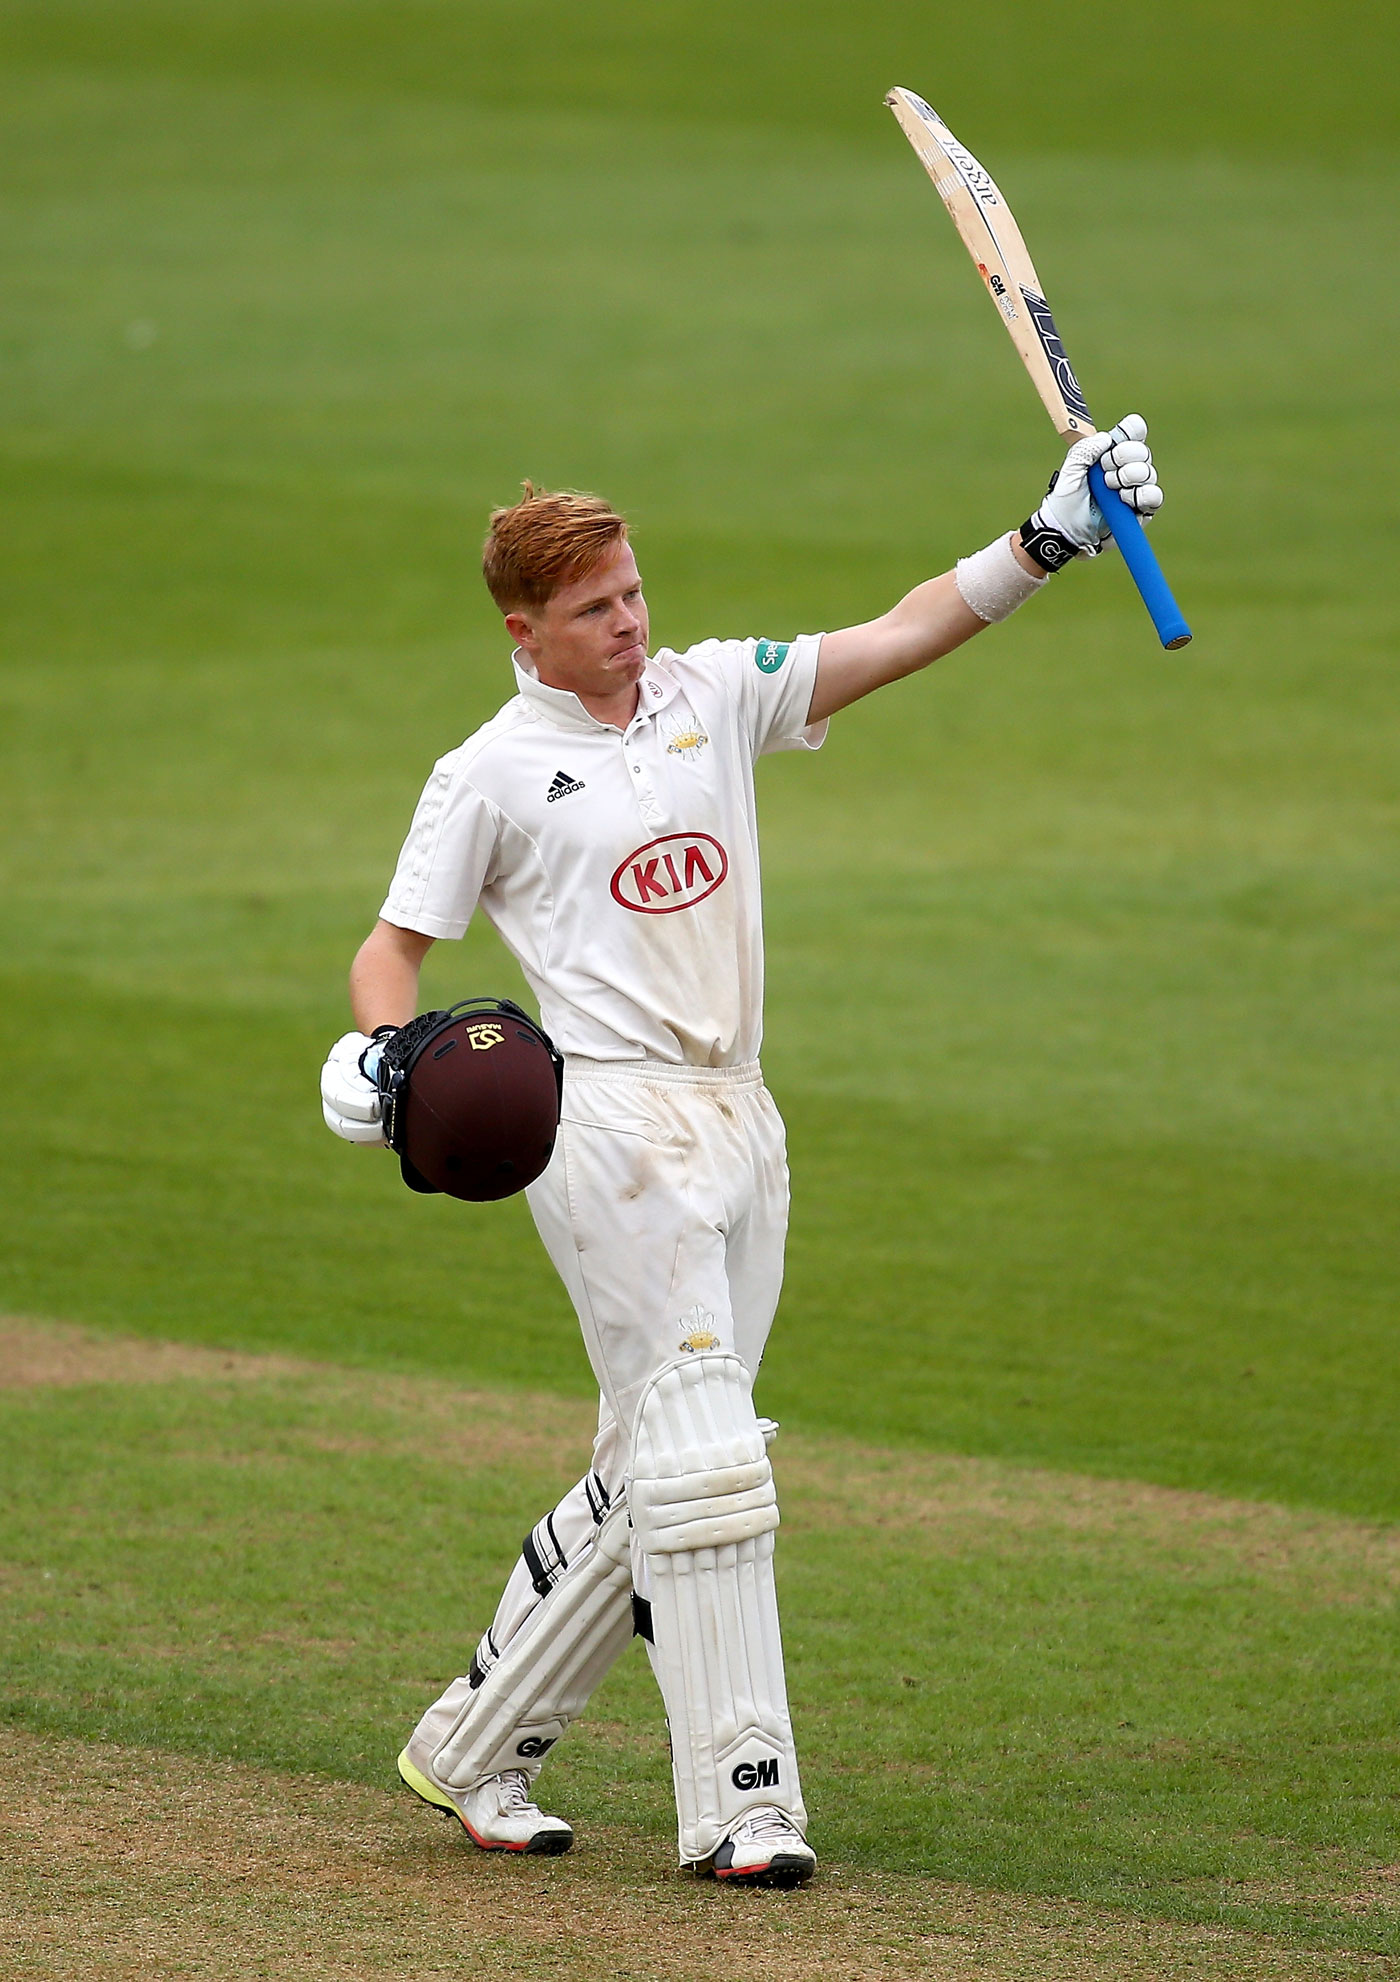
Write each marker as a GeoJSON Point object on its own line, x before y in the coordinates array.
{"type": "Point", "coordinates": [993, 239]}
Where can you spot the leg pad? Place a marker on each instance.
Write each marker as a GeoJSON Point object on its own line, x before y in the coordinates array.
{"type": "Point", "coordinates": [542, 1680]}
{"type": "Point", "coordinates": [704, 1510]}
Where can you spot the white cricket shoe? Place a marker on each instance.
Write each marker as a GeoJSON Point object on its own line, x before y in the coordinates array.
{"type": "Point", "coordinates": [498, 1814]}
{"type": "Point", "coordinates": [765, 1848]}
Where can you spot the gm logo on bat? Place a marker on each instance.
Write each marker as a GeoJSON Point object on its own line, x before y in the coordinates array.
{"type": "Point", "coordinates": [674, 872]}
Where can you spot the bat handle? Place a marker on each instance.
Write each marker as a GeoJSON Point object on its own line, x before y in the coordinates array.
{"type": "Point", "coordinates": [1138, 555]}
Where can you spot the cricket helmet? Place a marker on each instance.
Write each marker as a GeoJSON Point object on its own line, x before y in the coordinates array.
{"type": "Point", "coordinates": [470, 1098]}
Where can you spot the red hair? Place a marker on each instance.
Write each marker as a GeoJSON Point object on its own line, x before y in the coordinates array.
{"type": "Point", "coordinates": [546, 541]}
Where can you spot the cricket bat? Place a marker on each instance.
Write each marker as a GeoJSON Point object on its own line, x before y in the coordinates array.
{"type": "Point", "coordinates": [993, 239]}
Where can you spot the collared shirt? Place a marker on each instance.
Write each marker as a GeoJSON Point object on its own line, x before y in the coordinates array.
{"type": "Point", "coordinates": [620, 867]}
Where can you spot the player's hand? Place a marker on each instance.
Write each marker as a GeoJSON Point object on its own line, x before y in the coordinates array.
{"type": "Point", "coordinates": [1069, 508]}
{"type": "Point", "coordinates": [349, 1096]}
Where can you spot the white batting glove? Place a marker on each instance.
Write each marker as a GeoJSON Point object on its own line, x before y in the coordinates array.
{"type": "Point", "coordinates": [1128, 467]}
{"type": "Point", "coordinates": [1069, 522]}
{"type": "Point", "coordinates": [349, 1096]}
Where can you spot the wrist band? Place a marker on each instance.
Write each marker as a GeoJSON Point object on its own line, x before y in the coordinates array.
{"type": "Point", "coordinates": [993, 582]}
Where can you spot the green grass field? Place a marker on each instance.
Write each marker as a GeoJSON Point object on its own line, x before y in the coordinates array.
{"type": "Point", "coordinates": [1082, 999]}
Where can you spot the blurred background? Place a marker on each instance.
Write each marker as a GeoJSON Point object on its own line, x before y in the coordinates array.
{"type": "Point", "coordinates": [1082, 957]}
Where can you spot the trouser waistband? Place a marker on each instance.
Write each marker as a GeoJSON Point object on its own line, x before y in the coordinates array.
{"type": "Point", "coordinates": [653, 1071]}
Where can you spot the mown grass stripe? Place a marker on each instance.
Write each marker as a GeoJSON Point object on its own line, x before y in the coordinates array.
{"type": "Point", "coordinates": [1166, 1703]}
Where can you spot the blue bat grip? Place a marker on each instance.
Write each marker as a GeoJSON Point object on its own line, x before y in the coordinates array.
{"type": "Point", "coordinates": [1141, 561]}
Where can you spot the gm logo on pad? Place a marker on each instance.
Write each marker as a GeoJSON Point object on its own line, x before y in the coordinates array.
{"type": "Point", "coordinates": [755, 1775]}
{"type": "Point", "coordinates": [671, 873]}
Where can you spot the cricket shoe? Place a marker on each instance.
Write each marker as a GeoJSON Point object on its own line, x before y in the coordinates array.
{"type": "Point", "coordinates": [498, 1814]}
{"type": "Point", "coordinates": [765, 1848]}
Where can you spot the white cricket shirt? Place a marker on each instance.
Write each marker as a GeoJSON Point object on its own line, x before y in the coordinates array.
{"type": "Point", "coordinates": [620, 867]}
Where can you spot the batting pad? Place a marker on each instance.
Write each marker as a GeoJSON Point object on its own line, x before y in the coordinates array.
{"type": "Point", "coordinates": [542, 1680]}
{"type": "Point", "coordinates": [704, 1510]}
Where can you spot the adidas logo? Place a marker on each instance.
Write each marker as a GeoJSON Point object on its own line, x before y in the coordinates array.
{"type": "Point", "coordinates": [563, 784]}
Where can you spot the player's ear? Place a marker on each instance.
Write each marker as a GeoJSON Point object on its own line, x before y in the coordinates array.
{"type": "Point", "coordinates": [520, 630]}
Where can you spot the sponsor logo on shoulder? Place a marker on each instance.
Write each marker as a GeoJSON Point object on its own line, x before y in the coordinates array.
{"type": "Point", "coordinates": [561, 787]}
{"type": "Point", "coordinates": [769, 655]}
{"type": "Point", "coordinates": [674, 872]}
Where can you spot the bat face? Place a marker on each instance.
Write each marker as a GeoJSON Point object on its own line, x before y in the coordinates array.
{"type": "Point", "coordinates": [991, 236]}
{"type": "Point", "coordinates": [993, 239]}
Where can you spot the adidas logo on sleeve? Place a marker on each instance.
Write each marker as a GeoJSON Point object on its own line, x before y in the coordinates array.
{"type": "Point", "coordinates": [561, 787]}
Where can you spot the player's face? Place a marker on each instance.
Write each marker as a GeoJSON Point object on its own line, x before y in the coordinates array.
{"type": "Point", "coordinates": [592, 636]}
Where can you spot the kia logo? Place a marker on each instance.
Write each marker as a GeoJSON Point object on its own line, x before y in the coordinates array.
{"type": "Point", "coordinates": [673, 872]}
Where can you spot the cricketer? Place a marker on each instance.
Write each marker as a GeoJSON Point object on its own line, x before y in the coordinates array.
{"type": "Point", "coordinates": [604, 821]}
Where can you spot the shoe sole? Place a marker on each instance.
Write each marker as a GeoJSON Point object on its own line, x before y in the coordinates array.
{"type": "Point", "coordinates": [783, 1873]}
{"type": "Point", "coordinates": [544, 1844]}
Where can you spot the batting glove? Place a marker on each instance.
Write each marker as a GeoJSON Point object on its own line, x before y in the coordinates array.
{"type": "Point", "coordinates": [349, 1094]}
{"type": "Point", "coordinates": [1069, 523]}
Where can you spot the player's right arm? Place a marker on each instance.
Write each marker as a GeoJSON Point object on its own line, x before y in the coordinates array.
{"type": "Point", "coordinates": [444, 863]}
{"type": "Point", "coordinates": [383, 992]}
{"type": "Point", "coordinates": [384, 976]}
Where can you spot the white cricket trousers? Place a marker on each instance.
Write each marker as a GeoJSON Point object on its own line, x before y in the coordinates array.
{"type": "Point", "coordinates": [664, 1210]}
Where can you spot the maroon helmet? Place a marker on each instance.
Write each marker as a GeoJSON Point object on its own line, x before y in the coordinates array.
{"type": "Point", "coordinates": [470, 1098]}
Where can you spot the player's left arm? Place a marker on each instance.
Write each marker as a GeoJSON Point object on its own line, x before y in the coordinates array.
{"type": "Point", "coordinates": [943, 612]}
